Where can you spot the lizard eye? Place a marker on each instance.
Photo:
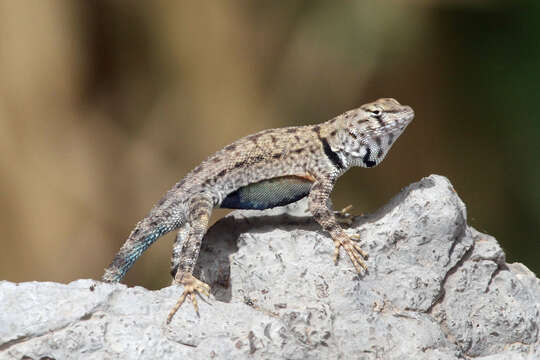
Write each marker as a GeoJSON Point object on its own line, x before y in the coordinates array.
{"type": "Point", "coordinates": [376, 113]}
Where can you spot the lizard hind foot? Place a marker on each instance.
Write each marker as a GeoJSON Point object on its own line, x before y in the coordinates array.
{"type": "Point", "coordinates": [191, 286]}
{"type": "Point", "coordinates": [355, 252]}
{"type": "Point", "coordinates": [343, 216]}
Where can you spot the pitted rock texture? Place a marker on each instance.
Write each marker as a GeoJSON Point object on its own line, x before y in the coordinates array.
{"type": "Point", "coordinates": [436, 289]}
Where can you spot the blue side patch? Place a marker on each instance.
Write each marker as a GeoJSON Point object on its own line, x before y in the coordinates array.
{"type": "Point", "coordinates": [267, 194]}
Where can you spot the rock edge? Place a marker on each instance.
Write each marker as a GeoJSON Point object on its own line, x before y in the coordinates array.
{"type": "Point", "coordinates": [436, 289]}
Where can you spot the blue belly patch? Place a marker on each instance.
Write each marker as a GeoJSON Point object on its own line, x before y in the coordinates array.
{"type": "Point", "coordinates": [269, 193]}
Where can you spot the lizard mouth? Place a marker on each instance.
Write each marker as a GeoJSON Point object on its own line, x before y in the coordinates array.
{"type": "Point", "coordinates": [404, 119]}
{"type": "Point", "coordinates": [406, 115]}
{"type": "Point", "coordinates": [394, 128]}
{"type": "Point", "coordinates": [397, 126]}
{"type": "Point", "coordinates": [409, 115]}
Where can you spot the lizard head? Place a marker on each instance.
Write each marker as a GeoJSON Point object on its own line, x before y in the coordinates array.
{"type": "Point", "coordinates": [372, 129]}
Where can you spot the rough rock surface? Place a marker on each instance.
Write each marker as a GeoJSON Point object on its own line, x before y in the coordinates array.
{"type": "Point", "coordinates": [436, 289]}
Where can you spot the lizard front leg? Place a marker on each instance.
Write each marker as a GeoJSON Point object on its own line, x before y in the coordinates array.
{"type": "Point", "coordinates": [184, 260]}
{"type": "Point", "coordinates": [319, 197]}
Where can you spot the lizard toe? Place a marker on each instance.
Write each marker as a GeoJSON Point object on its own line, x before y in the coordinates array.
{"type": "Point", "coordinates": [344, 217]}
{"type": "Point", "coordinates": [192, 285]}
{"type": "Point", "coordinates": [355, 252]}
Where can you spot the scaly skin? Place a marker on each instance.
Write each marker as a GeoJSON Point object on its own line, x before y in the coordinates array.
{"type": "Point", "coordinates": [267, 169]}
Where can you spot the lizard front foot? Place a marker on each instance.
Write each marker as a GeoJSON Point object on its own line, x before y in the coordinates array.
{"type": "Point", "coordinates": [354, 251]}
{"type": "Point", "coordinates": [191, 285]}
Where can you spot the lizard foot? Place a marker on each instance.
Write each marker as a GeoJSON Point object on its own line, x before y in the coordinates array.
{"type": "Point", "coordinates": [344, 217]}
{"type": "Point", "coordinates": [191, 285]}
{"type": "Point", "coordinates": [354, 251]}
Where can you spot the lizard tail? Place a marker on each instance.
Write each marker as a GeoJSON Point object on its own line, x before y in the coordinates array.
{"type": "Point", "coordinates": [161, 220]}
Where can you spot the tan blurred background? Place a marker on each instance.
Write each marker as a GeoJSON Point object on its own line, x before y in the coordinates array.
{"type": "Point", "coordinates": [106, 104]}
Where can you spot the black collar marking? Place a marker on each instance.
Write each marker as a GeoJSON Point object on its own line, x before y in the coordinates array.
{"type": "Point", "coordinates": [366, 159]}
{"type": "Point", "coordinates": [334, 158]}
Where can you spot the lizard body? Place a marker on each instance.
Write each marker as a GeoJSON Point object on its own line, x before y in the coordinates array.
{"type": "Point", "coordinates": [270, 168]}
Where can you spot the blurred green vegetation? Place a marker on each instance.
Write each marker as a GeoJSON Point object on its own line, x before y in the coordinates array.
{"type": "Point", "coordinates": [104, 105]}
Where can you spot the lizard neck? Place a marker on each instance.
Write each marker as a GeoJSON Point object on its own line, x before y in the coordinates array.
{"type": "Point", "coordinates": [335, 139]}
{"type": "Point", "coordinates": [365, 148]}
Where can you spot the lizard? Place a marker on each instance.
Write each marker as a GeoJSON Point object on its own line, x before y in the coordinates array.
{"type": "Point", "coordinates": [270, 168]}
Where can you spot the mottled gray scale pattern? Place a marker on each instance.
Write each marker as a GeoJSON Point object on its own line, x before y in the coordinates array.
{"type": "Point", "coordinates": [267, 154]}
{"type": "Point", "coordinates": [266, 169]}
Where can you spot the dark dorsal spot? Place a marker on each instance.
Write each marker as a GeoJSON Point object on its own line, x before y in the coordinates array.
{"type": "Point", "coordinates": [200, 213]}
{"type": "Point", "coordinates": [298, 151]}
{"type": "Point", "coordinates": [366, 159]}
{"type": "Point", "coordinates": [317, 129]}
{"type": "Point", "coordinates": [180, 183]}
{"type": "Point", "coordinates": [254, 137]}
{"type": "Point", "coordinates": [297, 138]}
{"type": "Point", "coordinates": [258, 158]}
{"type": "Point", "coordinates": [292, 130]}
{"type": "Point", "coordinates": [198, 204]}
{"type": "Point", "coordinates": [333, 133]}
{"type": "Point", "coordinates": [197, 169]}
{"type": "Point", "coordinates": [362, 121]}
{"type": "Point", "coordinates": [276, 156]}
{"type": "Point", "coordinates": [331, 227]}
{"type": "Point", "coordinates": [230, 147]}
{"type": "Point", "coordinates": [239, 164]}
{"type": "Point", "coordinates": [274, 140]}
{"type": "Point", "coordinates": [197, 207]}
{"type": "Point", "coordinates": [390, 139]}
{"type": "Point", "coordinates": [334, 158]}
{"type": "Point", "coordinates": [222, 172]}
{"type": "Point", "coordinates": [216, 159]}
{"type": "Point", "coordinates": [174, 270]}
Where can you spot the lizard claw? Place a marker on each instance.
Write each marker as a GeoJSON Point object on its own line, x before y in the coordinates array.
{"type": "Point", "coordinates": [355, 252]}
{"type": "Point", "coordinates": [191, 285]}
{"type": "Point", "coordinates": [357, 247]}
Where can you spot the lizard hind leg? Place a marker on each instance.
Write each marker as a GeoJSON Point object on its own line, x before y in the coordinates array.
{"type": "Point", "coordinates": [181, 235]}
{"type": "Point", "coordinates": [186, 252]}
{"type": "Point", "coordinates": [343, 216]}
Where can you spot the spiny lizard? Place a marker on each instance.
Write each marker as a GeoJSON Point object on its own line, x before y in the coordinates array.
{"type": "Point", "coordinates": [270, 168]}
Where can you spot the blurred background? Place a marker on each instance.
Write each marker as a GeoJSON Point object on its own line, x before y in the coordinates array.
{"type": "Point", "coordinates": [104, 105]}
